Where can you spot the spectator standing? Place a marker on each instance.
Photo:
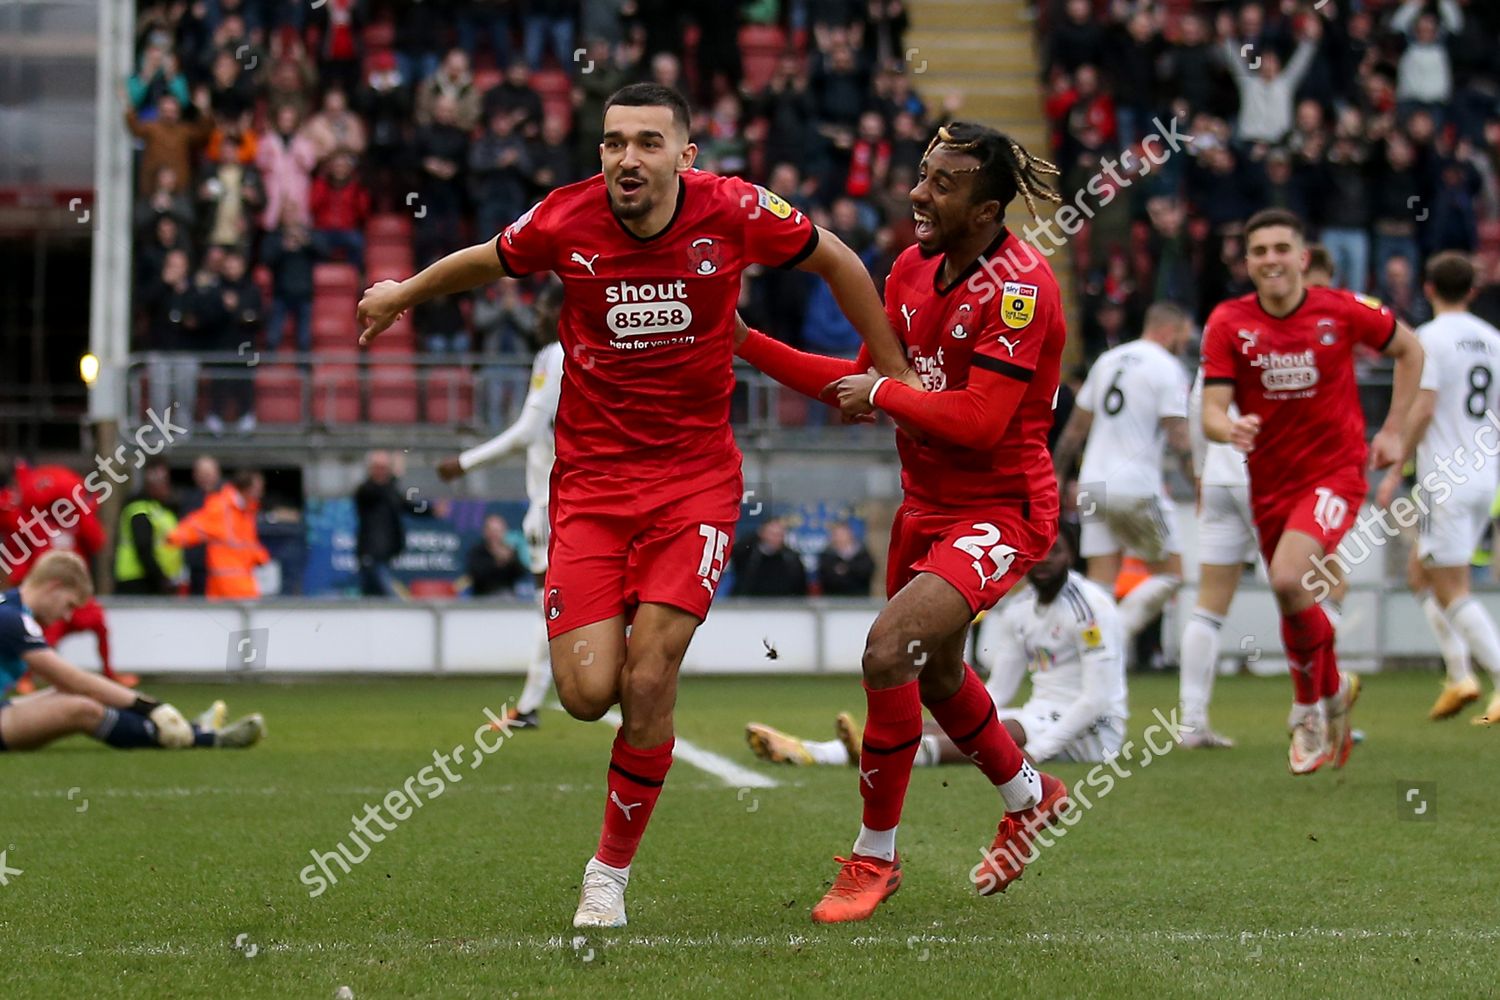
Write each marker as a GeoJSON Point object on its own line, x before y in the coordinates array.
{"type": "Point", "coordinates": [340, 49]}
{"type": "Point", "coordinates": [443, 153]}
{"type": "Point", "coordinates": [340, 206]}
{"type": "Point", "coordinates": [499, 174]}
{"type": "Point", "coordinates": [207, 480]}
{"type": "Point", "coordinates": [171, 303]}
{"type": "Point", "coordinates": [515, 95]}
{"type": "Point", "coordinates": [550, 21]}
{"type": "Point", "coordinates": [1346, 211]}
{"type": "Point", "coordinates": [165, 199]}
{"type": "Point", "coordinates": [146, 563]}
{"type": "Point", "coordinates": [169, 141]}
{"type": "Point", "coordinates": [336, 129]}
{"type": "Point", "coordinates": [845, 567]}
{"type": "Point", "coordinates": [1424, 76]}
{"type": "Point", "coordinates": [765, 567]}
{"type": "Point", "coordinates": [232, 389]}
{"type": "Point", "coordinates": [229, 193]}
{"type": "Point", "coordinates": [454, 82]}
{"type": "Point", "coordinates": [1078, 39]}
{"type": "Point", "coordinates": [225, 527]}
{"type": "Point", "coordinates": [286, 159]}
{"type": "Point", "coordinates": [493, 566]}
{"type": "Point", "coordinates": [287, 252]}
{"type": "Point", "coordinates": [384, 102]}
{"type": "Point", "coordinates": [1267, 92]}
{"type": "Point", "coordinates": [379, 504]}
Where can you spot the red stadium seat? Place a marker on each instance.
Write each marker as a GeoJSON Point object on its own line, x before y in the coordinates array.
{"type": "Point", "coordinates": [487, 79]}
{"type": "Point", "coordinates": [389, 224]}
{"type": "Point", "coordinates": [329, 278]}
{"type": "Point", "coordinates": [335, 393]}
{"type": "Point", "coordinates": [393, 394]}
{"type": "Point", "coordinates": [449, 396]}
{"type": "Point", "coordinates": [432, 588]}
{"type": "Point", "coordinates": [278, 394]}
{"type": "Point", "coordinates": [380, 35]}
{"type": "Point", "coordinates": [760, 46]}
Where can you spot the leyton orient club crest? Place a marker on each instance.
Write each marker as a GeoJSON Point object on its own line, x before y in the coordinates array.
{"type": "Point", "coordinates": [703, 256]}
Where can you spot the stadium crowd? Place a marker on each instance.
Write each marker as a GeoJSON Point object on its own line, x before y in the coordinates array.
{"type": "Point", "coordinates": [270, 133]}
{"type": "Point", "coordinates": [1378, 122]}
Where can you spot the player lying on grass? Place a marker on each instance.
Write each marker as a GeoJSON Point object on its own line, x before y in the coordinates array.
{"type": "Point", "coordinates": [81, 702]}
{"type": "Point", "coordinates": [1067, 632]}
{"type": "Point", "coordinates": [646, 488]}
{"type": "Point", "coordinates": [980, 317]}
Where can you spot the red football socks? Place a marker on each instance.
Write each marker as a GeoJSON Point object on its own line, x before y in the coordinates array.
{"type": "Point", "coordinates": [893, 729]}
{"type": "Point", "coordinates": [1308, 638]}
{"type": "Point", "coordinates": [635, 780]}
{"type": "Point", "coordinates": [968, 717]}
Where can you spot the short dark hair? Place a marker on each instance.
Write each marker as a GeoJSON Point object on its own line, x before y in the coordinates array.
{"type": "Point", "coordinates": [245, 478]}
{"type": "Point", "coordinates": [1268, 217]}
{"type": "Point", "coordinates": [653, 95]}
{"type": "Point", "coordinates": [1160, 314]}
{"type": "Point", "coordinates": [1318, 258]}
{"type": "Point", "coordinates": [1451, 275]}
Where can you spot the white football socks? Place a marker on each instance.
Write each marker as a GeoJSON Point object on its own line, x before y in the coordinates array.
{"type": "Point", "coordinates": [1145, 601]}
{"type": "Point", "coordinates": [929, 751]}
{"type": "Point", "coordinates": [1200, 658]}
{"type": "Point", "coordinates": [876, 843]}
{"type": "Point", "coordinates": [1476, 629]}
{"type": "Point", "coordinates": [827, 752]}
{"type": "Point", "coordinates": [1452, 646]}
{"type": "Point", "coordinates": [1024, 791]}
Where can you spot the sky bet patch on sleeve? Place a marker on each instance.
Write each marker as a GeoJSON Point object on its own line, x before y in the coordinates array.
{"type": "Point", "coordinates": [1018, 304]}
{"type": "Point", "coordinates": [1369, 302]}
{"type": "Point", "coordinates": [773, 203]}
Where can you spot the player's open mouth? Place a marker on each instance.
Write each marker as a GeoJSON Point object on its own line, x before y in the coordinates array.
{"type": "Point", "coordinates": [925, 226]}
{"type": "Point", "coordinates": [630, 185]}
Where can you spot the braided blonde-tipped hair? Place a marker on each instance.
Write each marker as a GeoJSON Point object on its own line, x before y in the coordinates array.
{"type": "Point", "coordinates": [1023, 173]}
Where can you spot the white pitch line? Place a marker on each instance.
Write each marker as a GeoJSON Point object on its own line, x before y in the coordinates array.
{"type": "Point", "coordinates": [797, 942]}
{"type": "Point", "coordinates": [722, 768]}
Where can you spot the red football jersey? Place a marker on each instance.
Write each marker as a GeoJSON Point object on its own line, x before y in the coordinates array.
{"type": "Point", "coordinates": [1005, 314]}
{"type": "Point", "coordinates": [647, 325]}
{"type": "Point", "coordinates": [1297, 374]}
{"type": "Point", "coordinates": [39, 489]}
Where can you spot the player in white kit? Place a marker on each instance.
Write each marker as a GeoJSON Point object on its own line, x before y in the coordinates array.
{"type": "Point", "coordinates": [1065, 630]}
{"type": "Point", "coordinates": [1131, 409]}
{"type": "Point", "coordinates": [1452, 419]}
{"type": "Point", "coordinates": [1226, 542]}
{"type": "Point", "coordinates": [532, 431]}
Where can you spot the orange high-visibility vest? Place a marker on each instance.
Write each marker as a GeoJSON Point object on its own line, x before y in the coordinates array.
{"type": "Point", "coordinates": [225, 526]}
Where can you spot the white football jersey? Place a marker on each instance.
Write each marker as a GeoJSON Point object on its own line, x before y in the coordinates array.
{"type": "Point", "coordinates": [1130, 390]}
{"type": "Point", "coordinates": [1217, 464]}
{"type": "Point", "coordinates": [1073, 647]}
{"type": "Point", "coordinates": [1463, 368]}
{"type": "Point", "coordinates": [532, 429]}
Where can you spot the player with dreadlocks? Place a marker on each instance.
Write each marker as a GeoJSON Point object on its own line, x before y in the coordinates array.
{"type": "Point", "coordinates": [981, 320]}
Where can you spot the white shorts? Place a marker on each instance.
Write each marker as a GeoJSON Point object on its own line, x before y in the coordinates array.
{"type": "Point", "coordinates": [1139, 526]}
{"type": "Point", "coordinates": [1098, 742]}
{"type": "Point", "coordinates": [538, 531]}
{"type": "Point", "coordinates": [1226, 528]}
{"type": "Point", "coordinates": [1450, 531]}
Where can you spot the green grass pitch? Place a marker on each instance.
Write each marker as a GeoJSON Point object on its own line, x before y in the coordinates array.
{"type": "Point", "coordinates": [1206, 874]}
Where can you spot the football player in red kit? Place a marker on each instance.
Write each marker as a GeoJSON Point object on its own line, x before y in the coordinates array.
{"type": "Point", "coordinates": [48, 507]}
{"type": "Point", "coordinates": [1284, 355]}
{"type": "Point", "coordinates": [981, 318]}
{"type": "Point", "coordinates": [646, 489]}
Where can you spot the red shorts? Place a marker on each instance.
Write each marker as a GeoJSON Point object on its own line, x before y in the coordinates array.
{"type": "Point", "coordinates": [983, 553]}
{"type": "Point", "coordinates": [617, 542]}
{"type": "Point", "coordinates": [1326, 510]}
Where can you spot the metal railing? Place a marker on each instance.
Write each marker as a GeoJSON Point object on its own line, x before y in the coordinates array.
{"type": "Point", "coordinates": [314, 399]}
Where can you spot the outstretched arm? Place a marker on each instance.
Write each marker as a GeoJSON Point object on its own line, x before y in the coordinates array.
{"type": "Point", "coordinates": [976, 416]}
{"type": "Point", "coordinates": [460, 271]}
{"type": "Point", "coordinates": [808, 373]}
